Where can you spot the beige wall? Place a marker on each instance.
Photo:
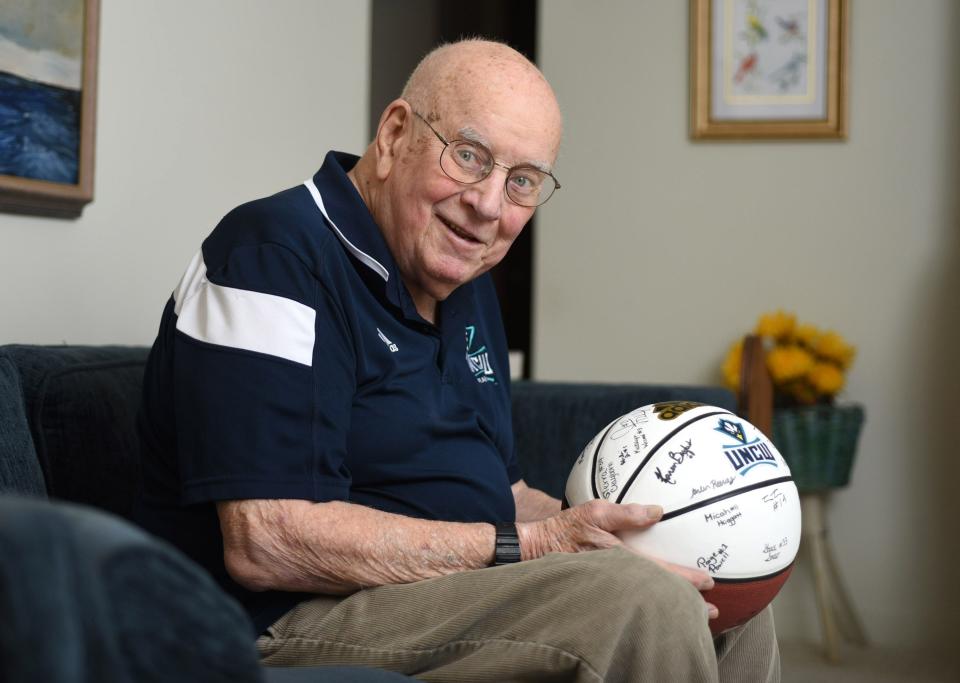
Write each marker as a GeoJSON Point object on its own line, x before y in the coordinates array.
{"type": "Point", "coordinates": [202, 105]}
{"type": "Point", "coordinates": [658, 252]}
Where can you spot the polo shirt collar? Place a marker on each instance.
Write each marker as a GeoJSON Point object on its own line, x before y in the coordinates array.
{"type": "Point", "coordinates": [351, 221]}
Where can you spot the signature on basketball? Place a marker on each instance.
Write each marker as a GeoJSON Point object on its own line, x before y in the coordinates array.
{"type": "Point", "coordinates": [608, 479]}
{"type": "Point", "coordinates": [640, 440]}
{"type": "Point", "coordinates": [726, 517]}
{"type": "Point", "coordinates": [716, 559]}
{"type": "Point", "coordinates": [776, 498]}
{"type": "Point", "coordinates": [772, 550]}
{"type": "Point", "coordinates": [678, 457]}
{"type": "Point", "coordinates": [628, 422]}
{"type": "Point", "coordinates": [711, 485]}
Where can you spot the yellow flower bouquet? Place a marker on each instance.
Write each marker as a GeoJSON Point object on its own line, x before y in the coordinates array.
{"type": "Point", "coordinates": [807, 365]}
{"type": "Point", "coordinates": [808, 369]}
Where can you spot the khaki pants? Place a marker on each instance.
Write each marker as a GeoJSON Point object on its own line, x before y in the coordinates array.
{"type": "Point", "coordinates": [605, 615]}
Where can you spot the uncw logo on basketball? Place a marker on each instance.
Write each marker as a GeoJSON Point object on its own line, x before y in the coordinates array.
{"type": "Point", "coordinates": [672, 409]}
{"type": "Point", "coordinates": [744, 455]}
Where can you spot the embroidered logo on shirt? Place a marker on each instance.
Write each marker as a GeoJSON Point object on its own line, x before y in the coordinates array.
{"type": "Point", "coordinates": [478, 360]}
{"type": "Point", "coordinates": [390, 345]}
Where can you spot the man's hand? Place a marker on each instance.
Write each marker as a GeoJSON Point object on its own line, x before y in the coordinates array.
{"type": "Point", "coordinates": [593, 526]}
{"type": "Point", "coordinates": [590, 526]}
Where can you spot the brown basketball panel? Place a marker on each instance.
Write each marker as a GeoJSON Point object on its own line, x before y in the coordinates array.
{"type": "Point", "coordinates": [740, 600]}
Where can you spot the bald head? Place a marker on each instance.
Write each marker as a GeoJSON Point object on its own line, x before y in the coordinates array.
{"type": "Point", "coordinates": [457, 78]}
{"type": "Point", "coordinates": [467, 64]}
{"type": "Point", "coordinates": [444, 230]}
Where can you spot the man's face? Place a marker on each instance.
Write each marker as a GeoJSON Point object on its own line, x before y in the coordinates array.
{"type": "Point", "coordinates": [443, 233]}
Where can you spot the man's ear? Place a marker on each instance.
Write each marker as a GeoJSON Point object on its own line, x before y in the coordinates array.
{"type": "Point", "coordinates": [392, 134]}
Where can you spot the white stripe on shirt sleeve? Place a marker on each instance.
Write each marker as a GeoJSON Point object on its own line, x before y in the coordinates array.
{"type": "Point", "coordinates": [243, 319]}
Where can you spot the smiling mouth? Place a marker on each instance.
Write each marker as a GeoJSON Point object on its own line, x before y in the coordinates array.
{"type": "Point", "coordinates": [458, 231]}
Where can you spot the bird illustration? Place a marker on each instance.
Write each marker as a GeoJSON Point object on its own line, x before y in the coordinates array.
{"type": "Point", "coordinates": [791, 28]}
{"type": "Point", "coordinates": [747, 66]}
{"type": "Point", "coordinates": [756, 26]}
{"type": "Point", "coordinates": [789, 74]}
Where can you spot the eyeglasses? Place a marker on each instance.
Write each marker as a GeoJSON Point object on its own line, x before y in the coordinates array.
{"type": "Point", "coordinates": [470, 162]}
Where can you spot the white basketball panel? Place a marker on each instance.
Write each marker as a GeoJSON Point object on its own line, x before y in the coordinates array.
{"type": "Point", "coordinates": [753, 533]}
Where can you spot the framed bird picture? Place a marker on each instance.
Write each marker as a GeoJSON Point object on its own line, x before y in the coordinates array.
{"type": "Point", "coordinates": [768, 68]}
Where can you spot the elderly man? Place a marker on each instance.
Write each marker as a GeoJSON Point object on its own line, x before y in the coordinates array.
{"type": "Point", "coordinates": [326, 420]}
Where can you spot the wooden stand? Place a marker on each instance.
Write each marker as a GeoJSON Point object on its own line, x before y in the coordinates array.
{"type": "Point", "coordinates": [836, 611]}
{"type": "Point", "coordinates": [755, 402]}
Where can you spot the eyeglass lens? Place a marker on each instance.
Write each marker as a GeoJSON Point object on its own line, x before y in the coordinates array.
{"type": "Point", "coordinates": [470, 162]}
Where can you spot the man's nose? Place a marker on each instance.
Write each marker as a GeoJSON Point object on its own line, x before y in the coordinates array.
{"type": "Point", "coordinates": [486, 197]}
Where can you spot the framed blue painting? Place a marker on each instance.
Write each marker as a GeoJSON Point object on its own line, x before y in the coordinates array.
{"type": "Point", "coordinates": [48, 69]}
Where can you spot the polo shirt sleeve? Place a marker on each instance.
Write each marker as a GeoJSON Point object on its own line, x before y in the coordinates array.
{"type": "Point", "coordinates": [264, 374]}
{"type": "Point", "coordinates": [514, 471]}
{"type": "Point", "coordinates": [508, 444]}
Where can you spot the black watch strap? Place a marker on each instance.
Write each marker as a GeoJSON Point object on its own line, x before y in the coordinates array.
{"type": "Point", "coordinates": [507, 549]}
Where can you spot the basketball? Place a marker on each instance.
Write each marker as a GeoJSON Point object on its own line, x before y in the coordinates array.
{"type": "Point", "coordinates": [730, 506]}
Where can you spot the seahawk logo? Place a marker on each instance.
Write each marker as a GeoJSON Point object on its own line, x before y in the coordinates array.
{"type": "Point", "coordinates": [734, 429]}
{"type": "Point", "coordinates": [744, 455]}
{"type": "Point", "coordinates": [478, 360]}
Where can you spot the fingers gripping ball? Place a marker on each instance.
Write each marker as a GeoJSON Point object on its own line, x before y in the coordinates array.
{"type": "Point", "coordinates": [730, 506]}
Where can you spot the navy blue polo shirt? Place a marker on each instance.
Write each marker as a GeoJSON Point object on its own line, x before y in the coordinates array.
{"type": "Point", "coordinates": [292, 363]}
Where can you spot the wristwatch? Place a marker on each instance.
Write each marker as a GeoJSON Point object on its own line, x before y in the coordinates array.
{"type": "Point", "coordinates": [507, 549]}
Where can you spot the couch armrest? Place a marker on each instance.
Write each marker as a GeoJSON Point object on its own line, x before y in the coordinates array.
{"type": "Point", "coordinates": [19, 470]}
{"type": "Point", "coordinates": [81, 403]}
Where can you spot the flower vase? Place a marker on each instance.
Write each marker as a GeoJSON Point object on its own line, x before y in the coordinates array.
{"type": "Point", "coordinates": [819, 443]}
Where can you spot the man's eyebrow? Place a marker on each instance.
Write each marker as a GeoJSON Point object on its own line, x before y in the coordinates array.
{"type": "Point", "coordinates": [472, 135]}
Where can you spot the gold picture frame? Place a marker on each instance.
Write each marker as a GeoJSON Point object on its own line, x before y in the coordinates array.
{"type": "Point", "coordinates": [54, 69]}
{"type": "Point", "coordinates": [773, 69]}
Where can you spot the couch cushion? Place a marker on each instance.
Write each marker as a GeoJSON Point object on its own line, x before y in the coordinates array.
{"type": "Point", "coordinates": [86, 597]}
{"type": "Point", "coordinates": [19, 470]}
{"type": "Point", "coordinates": [552, 422]}
{"type": "Point", "coordinates": [81, 405]}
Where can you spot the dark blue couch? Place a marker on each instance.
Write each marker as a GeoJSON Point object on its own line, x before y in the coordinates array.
{"type": "Point", "coordinates": [68, 455]}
